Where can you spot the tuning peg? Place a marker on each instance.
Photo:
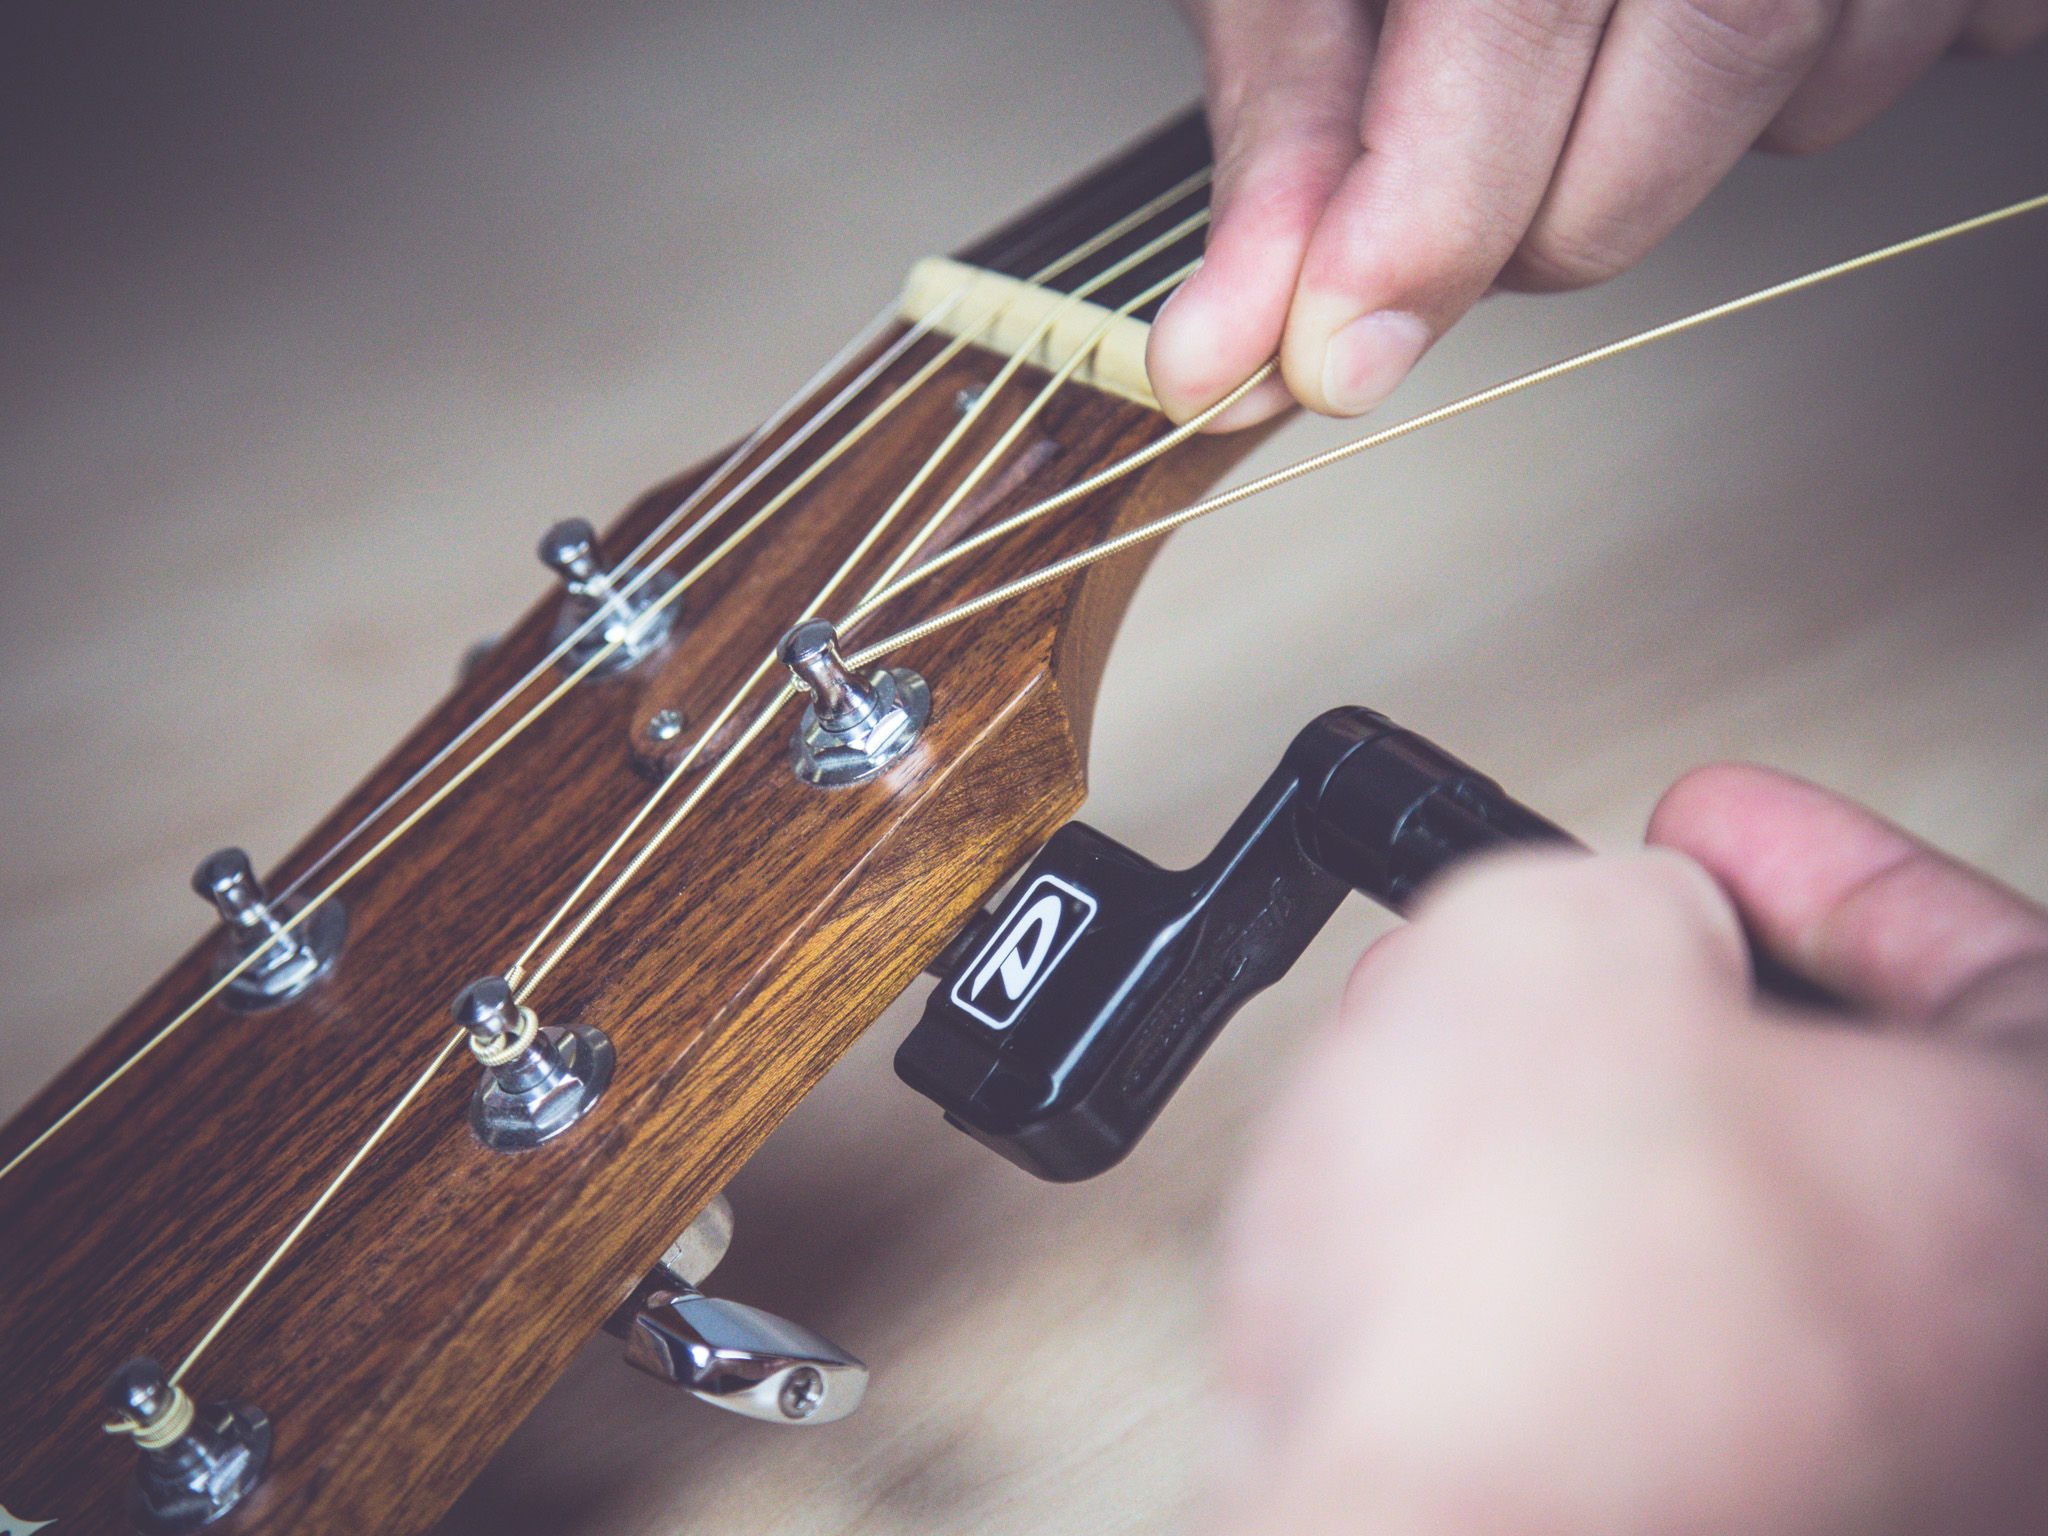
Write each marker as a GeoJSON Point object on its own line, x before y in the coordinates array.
{"type": "Point", "coordinates": [631, 621]}
{"type": "Point", "coordinates": [197, 1463]}
{"type": "Point", "coordinates": [744, 1360]}
{"type": "Point", "coordinates": [731, 1356]}
{"type": "Point", "coordinates": [690, 1259]}
{"type": "Point", "coordinates": [853, 727]}
{"type": "Point", "coordinates": [287, 961]}
{"type": "Point", "coordinates": [538, 1080]}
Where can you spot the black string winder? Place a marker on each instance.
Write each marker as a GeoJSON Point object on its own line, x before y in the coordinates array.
{"type": "Point", "coordinates": [1064, 1021]}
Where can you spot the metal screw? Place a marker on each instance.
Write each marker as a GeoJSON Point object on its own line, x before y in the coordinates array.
{"type": "Point", "coordinates": [665, 724]}
{"type": "Point", "coordinates": [802, 1393]}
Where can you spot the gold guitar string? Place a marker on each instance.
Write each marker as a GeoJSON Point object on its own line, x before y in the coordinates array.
{"type": "Point", "coordinates": [1164, 525]}
{"type": "Point", "coordinates": [517, 973]}
{"type": "Point", "coordinates": [333, 1188]}
{"type": "Point", "coordinates": [525, 983]}
{"type": "Point", "coordinates": [634, 579]}
{"type": "Point", "coordinates": [1132, 220]}
{"type": "Point", "coordinates": [626, 875]}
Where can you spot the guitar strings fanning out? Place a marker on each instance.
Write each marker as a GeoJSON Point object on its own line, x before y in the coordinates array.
{"type": "Point", "coordinates": [1159, 527]}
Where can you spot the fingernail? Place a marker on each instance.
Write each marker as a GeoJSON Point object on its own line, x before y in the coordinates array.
{"type": "Point", "coordinates": [1367, 358]}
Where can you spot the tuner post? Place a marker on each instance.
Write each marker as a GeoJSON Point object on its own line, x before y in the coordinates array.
{"type": "Point", "coordinates": [853, 727]}
{"type": "Point", "coordinates": [282, 961]}
{"type": "Point", "coordinates": [610, 624]}
{"type": "Point", "coordinates": [538, 1080]}
{"type": "Point", "coordinates": [196, 1463]}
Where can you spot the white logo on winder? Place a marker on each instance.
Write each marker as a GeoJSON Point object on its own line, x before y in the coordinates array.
{"type": "Point", "coordinates": [1014, 964]}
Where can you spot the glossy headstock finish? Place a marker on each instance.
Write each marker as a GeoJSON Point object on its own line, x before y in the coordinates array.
{"type": "Point", "coordinates": [446, 1285]}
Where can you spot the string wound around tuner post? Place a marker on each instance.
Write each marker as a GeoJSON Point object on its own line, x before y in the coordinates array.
{"type": "Point", "coordinates": [538, 1079]}
{"type": "Point", "coordinates": [609, 622]}
{"type": "Point", "coordinates": [273, 959]}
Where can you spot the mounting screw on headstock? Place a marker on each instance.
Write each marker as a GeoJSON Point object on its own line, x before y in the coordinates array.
{"type": "Point", "coordinates": [538, 1081]}
{"type": "Point", "coordinates": [623, 611]}
{"type": "Point", "coordinates": [854, 727]}
{"type": "Point", "coordinates": [287, 961]}
{"type": "Point", "coordinates": [197, 1463]}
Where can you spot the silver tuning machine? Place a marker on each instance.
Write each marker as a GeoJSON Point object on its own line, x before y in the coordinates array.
{"type": "Point", "coordinates": [538, 1080]}
{"type": "Point", "coordinates": [854, 726]}
{"type": "Point", "coordinates": [610, 621]}
{"type": "Point", "coordinates": [278, 958]}
{"type": "Point", "coordinates": [731, 1356]}
{"type": "Point", "coordinates": [197, 1462]}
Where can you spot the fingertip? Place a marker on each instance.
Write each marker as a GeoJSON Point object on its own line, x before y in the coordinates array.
{"type": "Point", "coordinates": [1785, 848]}
{"type": "Point", "coordinates": [1695, 813]}
{"type": "Point", "coordinates": [1268, 398]}
{"type": "Point", "coordinates": [1365, 361]}
{"type": "Point", "coordinates": [1200, 349]}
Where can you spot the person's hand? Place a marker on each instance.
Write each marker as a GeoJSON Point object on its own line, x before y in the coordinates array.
{"type": "Point", "coordinates": [1557, 1231]}
{"type": "Point", "coordinates": [1382, 163]}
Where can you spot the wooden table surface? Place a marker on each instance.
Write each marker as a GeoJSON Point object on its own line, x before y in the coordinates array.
{"type": "Point", "coordinates": [316, 314]}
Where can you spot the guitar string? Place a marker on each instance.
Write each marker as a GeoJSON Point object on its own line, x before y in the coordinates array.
{"type": "Point", "coordinates": [419, 1083]}
{"type": "Point", "coordinates": [635, 576]}
{"type": "Point", "coordinates": [1133, 220]}
{"type": "Point", "coordinates": [1164, 525]}
{"type": "Point", "coordinates": [517, 974]}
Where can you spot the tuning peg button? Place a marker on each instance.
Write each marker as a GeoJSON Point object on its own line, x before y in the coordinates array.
{"type": "Point", "coordinates": [854, 726]}
{"type": "Point", "coordinates": [744, 1360]}
{"type": "Point", "coordinates": [538, 1080]}
{"type": "Point", "coordinates": [282, 958]}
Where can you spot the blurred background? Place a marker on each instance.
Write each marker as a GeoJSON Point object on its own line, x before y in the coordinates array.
{"type": "Point", "coordinates": [314, 315]}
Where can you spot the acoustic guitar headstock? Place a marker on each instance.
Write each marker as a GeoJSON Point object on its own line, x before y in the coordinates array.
{"type": "Point", "coordinates": [298, 1182]}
